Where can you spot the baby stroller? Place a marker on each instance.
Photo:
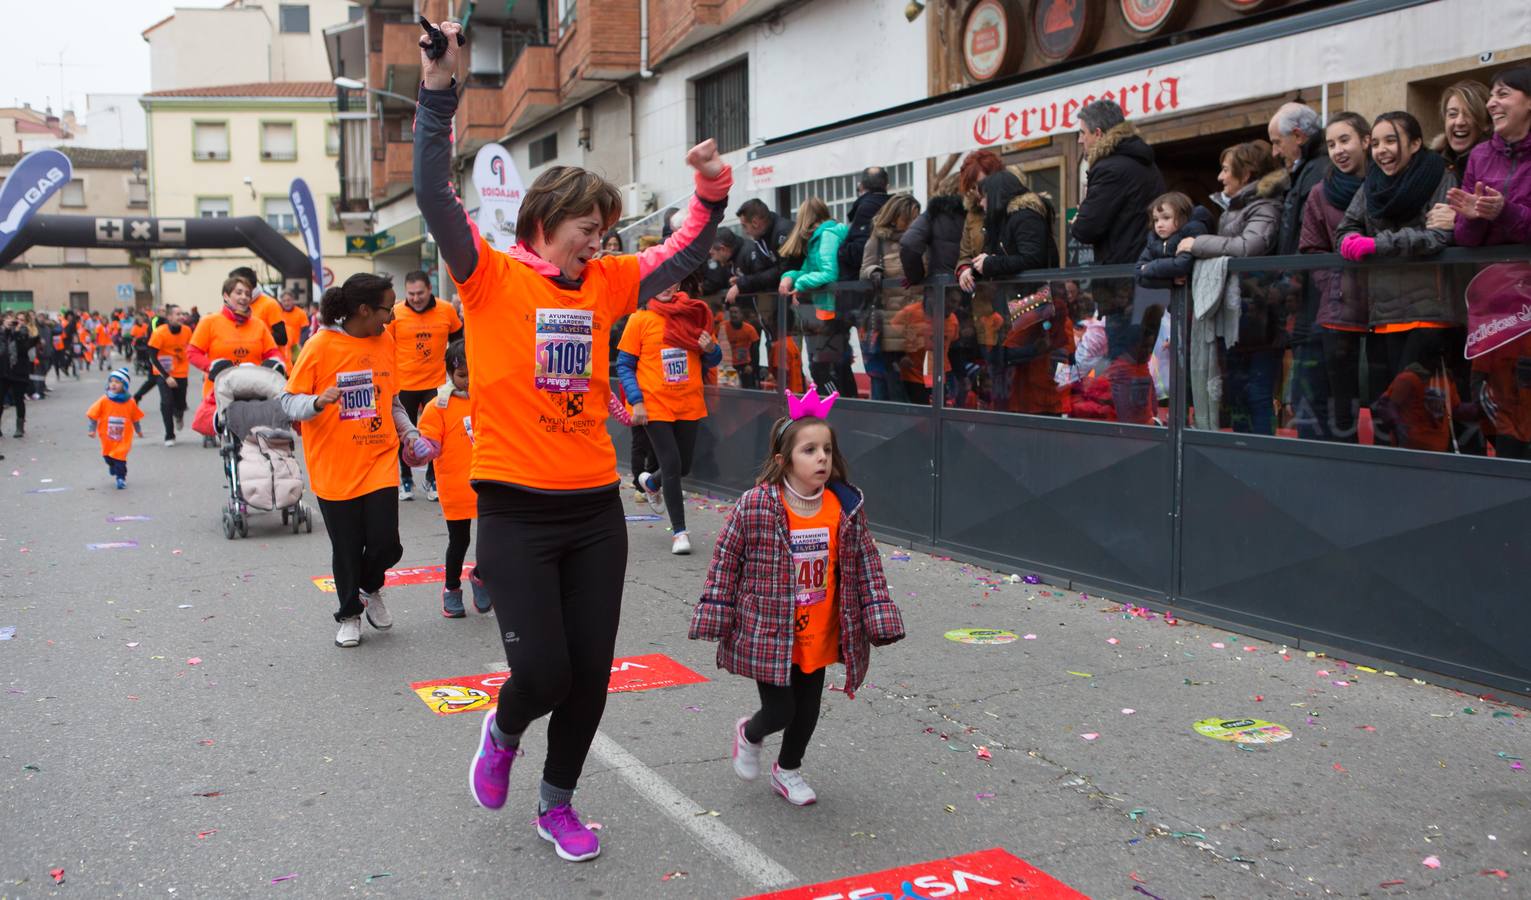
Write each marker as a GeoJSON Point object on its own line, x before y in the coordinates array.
{"type": "Point", "coordinates": [258, 448]}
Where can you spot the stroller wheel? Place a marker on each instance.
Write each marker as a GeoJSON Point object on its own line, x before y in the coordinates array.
{"type": "Point", "coordinates": [308, 520]}
{"type": "Point", "coordinates": [297, 520]}
{"type": "Point", "coordinates": [244, 525]}
{"type": "Point", "coordinates": [228, 525]}
{"type": "Point", "coordinates": [286, 514]}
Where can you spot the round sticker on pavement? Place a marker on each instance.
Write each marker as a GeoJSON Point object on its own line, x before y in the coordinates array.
{"type": "Point", "coordinates": [980, 636]}
{"type": "Point", "coordinates": [1242, 731]}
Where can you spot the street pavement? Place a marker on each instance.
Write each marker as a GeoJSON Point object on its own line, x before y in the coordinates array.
{"type": "Point", "coordinates": [178, 722]}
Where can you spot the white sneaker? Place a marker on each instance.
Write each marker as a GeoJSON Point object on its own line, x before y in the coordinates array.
{"type": "Point", "coordinates": [169, 442]}
{"type": "Point", "coordinates": [746, 754]}
{"type": "Point", "coordinates": [406, 492]}
{"type": "Point", "coordinates": [350, 632]}
{"type": "Point", "coordinates": [640, 498]}
{"type": "Point", "coordinates": [430, 492]}
{"type": "Point", "coordinates": [681, 545]}
{"type": "Point", "coordinates": [656, 498]}
{"type": "Point", "coordinates": [377, 614]}
{"type": "Point", "coordinates": [790, 784]}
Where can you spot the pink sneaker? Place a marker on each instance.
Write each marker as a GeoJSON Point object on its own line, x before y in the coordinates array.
{"type": "Point", "coordinates": [489, 772]}
{"type": "Point", "coordinates": [573, 841]}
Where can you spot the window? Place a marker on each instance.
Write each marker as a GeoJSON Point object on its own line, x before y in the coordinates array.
{"type": "Point", "coordinates": [543, 150]}
{"type": "Point", "coordinates": [213, 207]}
{"type": "Point", "coordinates": [277, 141]}
{"type": "Point", "coordinates": [839, 192]}
{"type": "Point", "coordinates": [138, 192]}
{"type": "Point", "coordinates": [13, 301]}
{"type": "Point", "coordinates": [355, 14]}
{"type": "Point", "coordinates": [332, 138]}
{"type": "Point", "coordinates": [75, 256]}
{"type": "Point", "coordinates": [723, 107]}
{"type": "Point", "coordinates": [79, 300]}
{"type": "Point", "coordinates": [566, 14]}
{"type": "Point", "coordinates": [279, 214]}
{"type": "Point", "coordinates": [73, 193]}
{"type": "Point", "coordinates": [210, 140]}
{"type": "Point", "coordinates": [294, 18]}
{"type": "Point", "coordinates": [486, 52]}
{"type": "Point", "coordinates": [333, 218]}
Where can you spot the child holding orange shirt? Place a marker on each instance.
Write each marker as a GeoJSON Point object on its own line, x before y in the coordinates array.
{"type": "Point", "coordinates": [448, 421]}
{"type": "Point", "coordinates": [116, 409]}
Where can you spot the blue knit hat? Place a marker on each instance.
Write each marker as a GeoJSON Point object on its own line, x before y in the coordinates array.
{"type": "Point", "coordinates": [122, 375]}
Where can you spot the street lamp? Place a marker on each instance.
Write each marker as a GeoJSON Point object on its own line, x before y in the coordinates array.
{"type": "Point", "coordinates": [351, 84]}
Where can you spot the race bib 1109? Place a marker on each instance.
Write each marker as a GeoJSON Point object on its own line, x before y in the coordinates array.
{"type": "Point", "coordinates": [565, 350]}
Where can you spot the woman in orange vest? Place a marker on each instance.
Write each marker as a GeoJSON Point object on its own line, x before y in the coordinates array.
{"type": "Point", "coordinates": [552, 536]}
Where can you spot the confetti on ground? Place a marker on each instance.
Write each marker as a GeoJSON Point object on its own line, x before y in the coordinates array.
{"type": "Point", "coordinates": [1431, 862]}
{"type": "Point", "coordinates": [1134, 814]}
{"type": "Point", "coordinates": [202, 835]}
{"type": "Point", "coordinates": [983, 795]}
{"type": "Point", "coordinates": [7, 632]}
{"type": "Point", "coordinates": [1090, 735]}
{"type": "Point", "coordinates": [1497, 873]}
{"type": "Point", "coordinates": [1112, 641]}
{"type": "Point", "coordinates": [281, 878]}
{"type": "Point", "coordinates": [58, 875]}
{"type": "Point", "coordinates": [372, 878]}
{"type": "Point", "coordinates": [1128, 712]}
{"type": "Point", "coordinates": [197, 661]}
{"type": "Point", "coordinates": [1081, 674]}
{"type": "Point", "coordinates": [1394, 883]}
{"type": "Point", "coordinates": [983, 753]}
{"type": "Point", "coordinates": [1029, 637]}
{"type": "Point", "coordinates": [672, 876]}
{"type": "Point", "coordinates": [1177, 835]}
{"type": "Point", "coordinates": [950, 808]}
{"type": "Point", "coordinates": [1218, 645]}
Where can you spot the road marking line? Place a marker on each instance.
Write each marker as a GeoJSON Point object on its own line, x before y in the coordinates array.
{"type": "Point", "coordinates": [724, 843]}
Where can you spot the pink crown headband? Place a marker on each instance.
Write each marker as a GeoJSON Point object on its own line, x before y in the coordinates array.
{"type": "Point", "coordinates": [810, 404]}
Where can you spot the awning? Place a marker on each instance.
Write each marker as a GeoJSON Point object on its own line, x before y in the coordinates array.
{"type": "Point", "coordinates": [1340, 43]}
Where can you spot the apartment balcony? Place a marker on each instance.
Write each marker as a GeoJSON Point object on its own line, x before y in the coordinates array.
{"type": "Point", "coordinates": [488, 112]}
{"type": "Point", "coordinates": [398, 168]}
{"type": "Point", "coordinates": [677, 25]}
{"type": "Point", "coordinates": [395, 66]}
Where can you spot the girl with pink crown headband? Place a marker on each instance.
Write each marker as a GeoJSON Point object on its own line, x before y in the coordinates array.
{"type": "Point", "coordinates": [795, 585]}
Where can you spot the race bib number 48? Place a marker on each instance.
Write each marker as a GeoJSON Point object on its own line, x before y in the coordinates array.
{"type": "Point", "coordinates": [565, 350]}
{"type": "Point", "coordinates": [810, 564]}
{"type": "Point", "coordinates": [676, 364]}
{"type": "Point", "coordinates": [358, 395]}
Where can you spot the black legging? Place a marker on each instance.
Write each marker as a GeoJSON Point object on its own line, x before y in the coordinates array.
{"type": "Point", "coordinates": [459, 536]}
{"type": "Point", "coordinates": [555, 563]}
{"type": "Point", "coordinates": [643, 458]}
{"type": "Point", "coordinates": [413, 402]}
{"type": "Point", "coordinates": [793, 708]}
{"type": "Point", "coordinates": [674, 444]}
{"type": "Point", "coordinates": [364, 542]}
{"type": "Point", "coordinates": [172, 404]}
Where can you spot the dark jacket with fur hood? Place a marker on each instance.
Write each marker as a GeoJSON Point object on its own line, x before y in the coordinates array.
{"type": "Point", "coordinates": [1159, 265]}
{"type": "Point", "coordinates": [1122, 182]}
{"type": "Point", "coordinates": [1021, 238]}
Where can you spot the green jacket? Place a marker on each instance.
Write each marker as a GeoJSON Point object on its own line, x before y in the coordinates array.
{"type": "Point", "coordinates": [821, 265]}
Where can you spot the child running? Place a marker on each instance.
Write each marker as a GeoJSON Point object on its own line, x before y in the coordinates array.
{"type": "Point", "coordinates": [795, 585]}
{"type": "Point", "coordinates": [116, 409]}
{"type": "Point", "coordinates": [343, 389]}
{"type": "Point", "coordinates": [448, 421]}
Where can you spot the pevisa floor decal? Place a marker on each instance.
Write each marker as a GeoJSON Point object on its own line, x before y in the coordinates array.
{"type": "Point", "coordinates": [399, 577]}
{"type": "Point", "coordinates": [448, 696]}
{"type": "Point", "coordinates": [990, 873]}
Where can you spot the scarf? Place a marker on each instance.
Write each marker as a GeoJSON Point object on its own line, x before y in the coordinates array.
{"type": "Point", "coordinates": [1340, 188]}
{"type": "Point", "coordinates": [684, 320]}
{"type": "Point", "coordinates": [1402, 197]}
{"type": "Point", "coordinates": [120, 398]}
{"type": "Point", "coordinates": [234, 317]}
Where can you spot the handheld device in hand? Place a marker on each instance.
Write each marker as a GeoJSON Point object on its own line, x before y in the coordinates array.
{"type": "Point", "coordinates": [438, 47]}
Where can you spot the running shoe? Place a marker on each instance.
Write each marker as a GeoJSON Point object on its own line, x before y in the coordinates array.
{"type": "Point", "coordinates": [407, 491]}
{"type": "Point", "coordinates": [681, 545]}
{"type": "Point", "coordinates": [430, 491]}
{"type": "Point", "coordinates": [451, 603]}
{"type": "Point", "coordinates": [573, 841]}
{"type": "Point", "coordinates": [639, 497]}
{"type": "Point", "coordinates": [122, 483]}
{"type": "Point", "coordinates": [746, 754]}
{"type": "Point", "coordinates": [655, 497]}
{"type": "Point", "coordinates": [481, 599]}
{"type": "Point", "coordinates": [349, 634]}
{"type": "Point", "coordinates": [790, 784]}
{"type": "Point", "coordinates": [489, 771]}
{"type": "Point", "coordinates": [377, 614]}
{"type": "Point", "coordinates": [170, 442]}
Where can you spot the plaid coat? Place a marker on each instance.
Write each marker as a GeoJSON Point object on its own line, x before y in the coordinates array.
{"type": "Point", "coordinates": [748, 602]}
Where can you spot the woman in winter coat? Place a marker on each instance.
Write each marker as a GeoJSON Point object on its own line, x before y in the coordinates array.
{"type": "Point", "coordinates": [882, 264]}
{"type": "Point", "coordinates": [1342, 314]}
{"type": "Point", "coordinates": [932, 245]}
{"type": "Point", "coordinates": [1254, 186]}
{"type": "Point", "coordinates": [1413, 308]}
{"type": "Point", "coordinates": [1020, 235]}
{"type": "Point", "coordinates": [1494, 207]}
{"type": "Point", "coordinates": [816, 240]}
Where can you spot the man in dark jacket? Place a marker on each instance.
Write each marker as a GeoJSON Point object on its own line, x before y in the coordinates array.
{"type": "Point", "coordinates": [932, 243]}
{"type": "Point", "coordinates": [1297, 139]}
{"type": "Point", "coordinates": [1122, 182]}
{"type": "Point", "coordinates": [872, 194]}
{"type": "Point", "coordinates": [15, 368]}
{"type": "Point", "coordinates": [758, 261]}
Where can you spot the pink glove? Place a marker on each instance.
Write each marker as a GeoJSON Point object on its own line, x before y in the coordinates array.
{"type": "Point", "coordinates": [1356, 248]}
{"type": "Point", "coordinates": [618, 409]}
{"type": "Point", "coordinates": [420, 451]}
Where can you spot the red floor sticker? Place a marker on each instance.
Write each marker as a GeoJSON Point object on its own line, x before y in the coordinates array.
{"type": "Point", "coordinates": [990, 873]}
{"type": "Point", "coordinates": [398, 577]}
{"type": "Point", "coordinates": [446, 696]}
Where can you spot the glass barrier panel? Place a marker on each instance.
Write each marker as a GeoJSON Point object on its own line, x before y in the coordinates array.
{"type": "Point", "coordinates": [743, 329]}
{"type": "Point", "coordinates": [824, 340]}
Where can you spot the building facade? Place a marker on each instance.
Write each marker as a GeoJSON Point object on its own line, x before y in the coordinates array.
{"type": "Point", "coordinates": [244, 41]}
{"type": "Point", "coordinates": [234, 151]}
{"type": "Point", "coordinates": [104, 183]}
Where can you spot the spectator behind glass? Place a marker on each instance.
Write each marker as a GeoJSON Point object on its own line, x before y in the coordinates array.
{"type": "Point", "coordinates": [975, 167]}
{"type": "Point", "coordinates": [871, 194]}
{"type": "Point", "coordinates": [1464, 109]}
{"type": "Point", "coordinates": [1342, 314]}
{"type": "Point", "coordinates": [1254, 186]}
{"type": "Point", "coordinates": [882, 346]}
{"type": "Point", "coordinates": [1494, 207]}
{"type": "Point", "coordinates": [1412, 308]}
{"type": "Point", "coordinates": [718, 272]}
{"type": "Point", "coordinates": [932, 244]}
{"type": "Point", "coordinates": [816, 239]}
{"type": "Point", "coordinates": [759, 262]}
{"type": "Point", "coordinates": [1173, 218]}
{"type": "Point", "coordinates": [611, 244]}
{"type": "Point", "coordinates": [1122, 180]}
